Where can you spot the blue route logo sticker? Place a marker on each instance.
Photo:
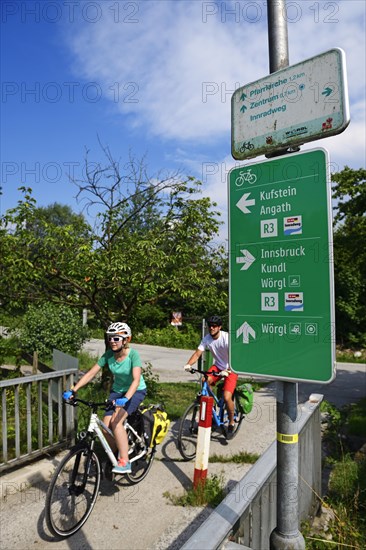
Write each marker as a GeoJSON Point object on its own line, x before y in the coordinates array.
{"type": "Point", "coordinates": [294, 301]}
{"type": "Point", "coordinates": [292, 225]}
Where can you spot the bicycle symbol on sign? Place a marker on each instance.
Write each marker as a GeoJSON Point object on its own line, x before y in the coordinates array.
{"type": "Point", "coordinates": [245, 177]}
{"type": "Point", "coordinates": [246, 145]}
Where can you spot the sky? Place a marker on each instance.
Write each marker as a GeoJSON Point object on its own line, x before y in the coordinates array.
{"type": "Point", "coordinates": [152, 78]}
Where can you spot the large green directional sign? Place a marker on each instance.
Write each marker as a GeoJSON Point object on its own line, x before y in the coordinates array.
{"type": "Point", "coordinates": [281, 268]}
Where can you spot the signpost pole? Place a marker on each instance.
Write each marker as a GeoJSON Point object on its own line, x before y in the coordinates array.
{"type": "Point", "coordinates": [286, 535]}
{"type": "Point", "coordinates": [277, 35]}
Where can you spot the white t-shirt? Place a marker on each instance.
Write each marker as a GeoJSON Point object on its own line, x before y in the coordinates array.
{"type": "Point", "coordinates": [219, 349]}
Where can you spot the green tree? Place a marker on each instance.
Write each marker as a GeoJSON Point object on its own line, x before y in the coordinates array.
{"type": "Point", "coordinates": [154, 240]}
{"type": "Point", "coordinates": [59, 215]}
{"type": "Point", "coordinates": [51, 326]}
{"type": "Point", "coordinates": [349, 192]}
{"type": "Point", "coordinates": [152, 243]}
{"type": "Point", "coordinates": [34, 248]}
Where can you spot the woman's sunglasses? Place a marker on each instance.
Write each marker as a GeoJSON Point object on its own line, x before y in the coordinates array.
{"type": "Point", "coordinates": [115, 338]}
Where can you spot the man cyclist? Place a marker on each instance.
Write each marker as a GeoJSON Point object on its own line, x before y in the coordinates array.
{"type": "Point", "coordinates": [217, 342]}
{"type": "Point", "coordinates": [128, 389]}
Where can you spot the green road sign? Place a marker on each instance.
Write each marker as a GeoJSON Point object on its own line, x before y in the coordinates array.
{"type": "Point", "coordinates": [281, 268]}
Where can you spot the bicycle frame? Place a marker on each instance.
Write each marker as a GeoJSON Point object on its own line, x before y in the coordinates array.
{"type": "Point", "coordinates": [206, 391]}
{"type": "Point", "coordinates": [190, 421]}
{"type": "Point", "coordinates": [96, 425]}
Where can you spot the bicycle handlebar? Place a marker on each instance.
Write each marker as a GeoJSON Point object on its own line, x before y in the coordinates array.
{"type": "Point", "coordinates": [206, 374]}
{"type": "Point", "coordinates": [91, 404]}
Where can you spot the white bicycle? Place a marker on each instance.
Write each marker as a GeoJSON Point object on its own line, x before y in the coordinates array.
{"type": "Point", "coordinates": [74, 486]}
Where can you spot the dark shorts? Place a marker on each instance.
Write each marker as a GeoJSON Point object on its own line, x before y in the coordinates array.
{"type": "Point", "coordinates": [229, 382]}
{"type": "Point", "coordinates": [131, 405]}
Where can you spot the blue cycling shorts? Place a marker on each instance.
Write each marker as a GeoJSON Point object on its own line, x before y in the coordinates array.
{"type": "Point", "coordinates": [131, 405]}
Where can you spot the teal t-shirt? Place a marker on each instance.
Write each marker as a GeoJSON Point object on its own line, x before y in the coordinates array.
{"type": "Point", "coordinates": [122, 371]}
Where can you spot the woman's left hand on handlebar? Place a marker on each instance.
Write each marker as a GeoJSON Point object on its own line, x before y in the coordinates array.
{"type": "Point", "coordinates": [121, 402]}
{"type": "Point", "coordinates": [70, 394]}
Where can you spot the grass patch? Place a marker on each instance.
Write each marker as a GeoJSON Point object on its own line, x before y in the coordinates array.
{"type": "Point", "coordinates": [346, 500]}
{"type": "Point", "coordinates": [239, 458]}
{"type": "Point", "coordinates": [351, 356]}
{"type": "Point", "coordinates": [346, 492]}
{"type": "Point", "coordinates": [169, 337]}
{"type": "Point", "coordinates": [209, 493]}
{"type": "Point", "coordinates": [356, 424]}
{"type": "Point", "coordinates": [176, 396]}
{"type": "Point", "coordinates": [344, 479]}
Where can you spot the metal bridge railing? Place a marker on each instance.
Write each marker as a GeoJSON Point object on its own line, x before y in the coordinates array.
{"type": "Point", "coordinates": [247, 515]}
{"type": "Point", "coordinates": [34, 421]}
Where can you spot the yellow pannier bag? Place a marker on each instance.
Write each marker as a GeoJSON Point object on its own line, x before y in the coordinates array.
{"type": "Point", "coordinates": [156, 424]}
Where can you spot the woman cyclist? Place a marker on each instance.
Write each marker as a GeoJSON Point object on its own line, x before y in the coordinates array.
{"type": "Point", "coordinates": [128, 388]}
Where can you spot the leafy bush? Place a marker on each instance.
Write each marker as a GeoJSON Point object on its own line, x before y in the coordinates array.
{"type": "Point", "coordinates": [9, 348]}
{"type": "Point", "coordinates": [51, 326]}
{"type": "Point", "coordinates": [151, 380]}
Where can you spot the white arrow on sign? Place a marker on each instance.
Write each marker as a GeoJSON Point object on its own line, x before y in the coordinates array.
{"type": "Point", "coordinates": [243, 203]}
{"type": "Point", "coordinates": [247, 259]}
{"type": "Point", "coordinates": [246, 330]}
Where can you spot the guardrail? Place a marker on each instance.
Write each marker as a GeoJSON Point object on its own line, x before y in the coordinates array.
{"type": "Point", "coordinates": [34, 421]}
{"type": "Point", "coordinates": [247, 515]}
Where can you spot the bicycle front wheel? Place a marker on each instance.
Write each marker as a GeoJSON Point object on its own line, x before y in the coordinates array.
{"type": "Point", "coordinates": [73, 491]}
{"type": "Point", "coordinates": [188, 430]}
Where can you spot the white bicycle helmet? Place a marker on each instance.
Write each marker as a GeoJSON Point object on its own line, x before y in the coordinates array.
{"type": "Point", "coordinates": [121, 329]}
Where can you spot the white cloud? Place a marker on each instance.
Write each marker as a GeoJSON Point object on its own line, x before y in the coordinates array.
{"type": "Point", "coordinates": [185, 70]}
{"type": "Point", "coordinates": [186, 60]}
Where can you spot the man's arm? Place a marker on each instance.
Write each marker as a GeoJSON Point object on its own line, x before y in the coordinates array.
{"type": "Point", "coordinates": [192, 360]}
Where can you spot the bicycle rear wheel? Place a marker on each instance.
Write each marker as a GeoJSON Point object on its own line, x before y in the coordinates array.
{"type": "Point", "coordinates": [141, 467]}
{"type": "Point", "coordinates": [72, 491]}
{"type": "Point", "coordinates": [188, 430]}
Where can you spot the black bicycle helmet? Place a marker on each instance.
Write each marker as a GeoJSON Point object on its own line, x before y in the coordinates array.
{"type": "Point", "coordinates": [214, 320]}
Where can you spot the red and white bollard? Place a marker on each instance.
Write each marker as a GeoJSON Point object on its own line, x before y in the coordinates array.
{"type": "Point", "coordinates": [203, 441]}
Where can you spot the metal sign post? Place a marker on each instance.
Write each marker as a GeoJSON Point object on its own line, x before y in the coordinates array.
{"type": "Point", "coordinates": [281, 279]}
{"type": "Point", "coordinates": [286, 535]}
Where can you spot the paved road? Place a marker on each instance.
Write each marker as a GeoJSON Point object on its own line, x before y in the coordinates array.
{"type": "Point", "coordinates": [142, 517]}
